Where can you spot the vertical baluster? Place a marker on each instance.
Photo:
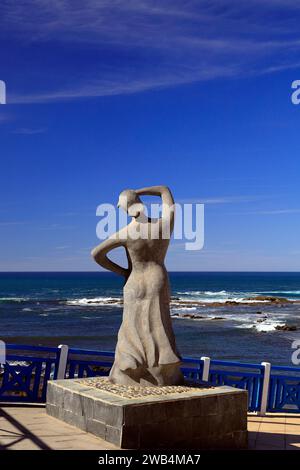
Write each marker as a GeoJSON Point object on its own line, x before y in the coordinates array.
{"type": "Point", "coordinates": [63, 359]}
{"type": "Point", "coordinates": [265, 388]}
{"type": "Point", "coordinates": [205, 370]}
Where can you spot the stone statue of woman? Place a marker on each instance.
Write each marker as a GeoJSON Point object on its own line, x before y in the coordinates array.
{"type": "Point", "coordinates": [146, 352]}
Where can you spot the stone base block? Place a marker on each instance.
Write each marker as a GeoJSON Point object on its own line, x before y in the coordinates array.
{"type": "Point", "coordinates": [202, 418]}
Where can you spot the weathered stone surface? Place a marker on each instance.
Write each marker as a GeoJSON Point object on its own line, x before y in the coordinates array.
{"type": "Point", "coordinates": [213, 418]}
{"type": "Point", "coordinates": [74, 419]}
{"type": "Point", "coordinates": [145, 413]}
{"type": "Point", "coordinates": [55, 411]}
{"type": "Point", "coordinates": [55, 395]}
{"type": "Point", "coordinates": [96, 427]}
{"type": "Point", "coordinates": [113, 434]}
{"type": "Point", "coordinates": [73, 402]}
{"type": "Point", "coordinates": [108, 413]}
{"type": "Point", "coordinates": [88, 407]}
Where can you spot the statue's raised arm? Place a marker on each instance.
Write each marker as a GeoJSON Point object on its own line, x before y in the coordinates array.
{"type": "Point", "coordinates": [168, 203]}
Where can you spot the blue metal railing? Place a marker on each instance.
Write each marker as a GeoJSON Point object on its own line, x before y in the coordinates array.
{"type": "Point", "coordinates": [24, 376]}
{"type": "Point", "coordinates": [235, 374]}
{"type": "Point", "coordinates": [284, 391]}
{"type": "Point", "coordinates": [88, 363]}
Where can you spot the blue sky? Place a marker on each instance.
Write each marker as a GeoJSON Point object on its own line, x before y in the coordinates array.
{"type": "Point", "coordinates": [105, 95]}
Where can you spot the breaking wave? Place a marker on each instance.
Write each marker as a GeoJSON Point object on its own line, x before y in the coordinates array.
{"type": "Point", "coordinates": [13, 299]}
{"type": "Point", "coordinates": [96, 301]}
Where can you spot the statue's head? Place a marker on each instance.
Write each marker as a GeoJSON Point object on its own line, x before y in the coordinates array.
{"type": "Point", "coordinates": [130, 202]}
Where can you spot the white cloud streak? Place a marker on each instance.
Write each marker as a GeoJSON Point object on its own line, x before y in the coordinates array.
{"type": "Point", "coordinates": [144, 45]}
{"type": "Point", "coordinates": [276, 212]}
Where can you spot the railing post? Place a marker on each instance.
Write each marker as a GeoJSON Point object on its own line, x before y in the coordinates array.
{"type": "Point", "coordinates": [2, 353]}
{"type": "Point", "coordinates": [63, 359]}
{"type": "Point", "coordinates": [206, 366]}
{"type": "Point", "coordinates": [265, 388]}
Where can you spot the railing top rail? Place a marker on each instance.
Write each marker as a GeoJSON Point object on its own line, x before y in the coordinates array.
{"type": "Point", "coordinates": [223, 363]}
{"type": "Point", "coordinates": [237, 373]}
{"type": "Point", "coordinates": [16, 357]}
{"type": "Point", "coordinates": [25, 347]}
{"type": "Point", "coordinates": [90, 352]}
{"type": "Point", "coordinates": [285, 377]}
{"type": "Point", "coordinates": [286, 368]}
{"type": "Point", "coordinates": [236, 364]}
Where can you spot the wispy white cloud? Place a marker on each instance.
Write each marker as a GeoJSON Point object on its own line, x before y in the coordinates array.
{"type": "Point", "coordinates": [155, 44]}
{"type": "Point", "coordinates": [11, 223]}
{"type": "Point", "coordinates": [55, 227]}
{"type": "Point", "coordinates": [120, 86]}
{"type": "Point", "coordinates": [275, 212]}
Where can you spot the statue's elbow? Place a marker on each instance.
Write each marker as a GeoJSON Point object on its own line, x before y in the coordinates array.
{"type": "Point", "coordinates": [98, 256]}
{"type": "Point", "coordinates": [166, 190]}
{"type": "Point", "coordinates": [95, 255]}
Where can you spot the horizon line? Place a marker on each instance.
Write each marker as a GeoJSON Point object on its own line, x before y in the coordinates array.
{"type": "Point", "coordinates": [172, 271]}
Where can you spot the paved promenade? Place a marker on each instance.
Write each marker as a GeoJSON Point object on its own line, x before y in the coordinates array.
{"type": "Point", "coordinates": [30, 428]}
{"type": "Point", "coordinates": [23, 427]}
{"type": "Point", "coordinates": [274, 431]}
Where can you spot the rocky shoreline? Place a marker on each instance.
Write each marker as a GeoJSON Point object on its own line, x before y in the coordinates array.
{"type": "Point", "coordinates": [260, 317]}
{"type": "Point", "coordinates": [257, 300]}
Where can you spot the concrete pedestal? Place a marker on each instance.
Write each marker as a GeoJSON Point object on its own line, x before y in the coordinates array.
{"type": "Point", "coordinates": [166, 417]}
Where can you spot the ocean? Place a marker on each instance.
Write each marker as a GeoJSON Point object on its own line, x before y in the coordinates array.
{"type": "Point", "coordinates": [214, 314]}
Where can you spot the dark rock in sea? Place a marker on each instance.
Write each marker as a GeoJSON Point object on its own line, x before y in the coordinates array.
{"type": "Point", "coordinates": [269, 298]}
{"type": "Point", "coordinates": [218, 318]}
{"type": "Point", "coordinates": [259, 312]}
{"type": "Point", "coordinates": [286, 328]}
{"type": "Point", "coordinates": [187, 315]}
